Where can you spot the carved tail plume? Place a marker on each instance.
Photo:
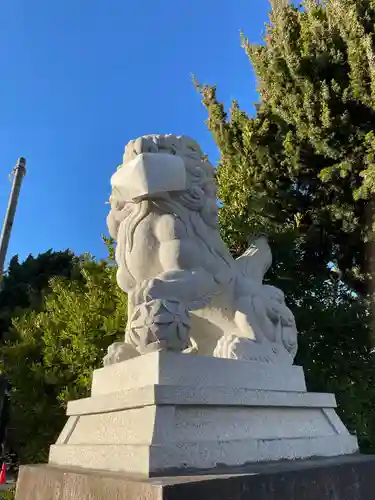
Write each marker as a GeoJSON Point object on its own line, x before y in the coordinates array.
{"type": "Point", "coordinates": [256, 261]}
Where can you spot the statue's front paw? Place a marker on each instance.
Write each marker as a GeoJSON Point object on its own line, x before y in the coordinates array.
{"type": "Point", "coordinates": [242, 349]}
{"type": "Point", "coordinates": [119, 351]}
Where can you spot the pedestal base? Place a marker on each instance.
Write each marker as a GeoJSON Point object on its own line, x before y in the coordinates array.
{"type": "Point", "coordinates": [344, 478]}
{"type": "Point", "coordinates": [163, 414]}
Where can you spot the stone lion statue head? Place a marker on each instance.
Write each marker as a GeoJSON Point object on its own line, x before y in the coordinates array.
{"type": "Point", "coordinates": [168, 170]}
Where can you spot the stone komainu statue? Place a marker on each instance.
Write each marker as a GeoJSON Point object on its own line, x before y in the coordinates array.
{"type": "Point", "coordinates": [186, 293]}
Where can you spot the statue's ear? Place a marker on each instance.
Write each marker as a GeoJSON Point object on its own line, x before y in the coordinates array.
{"type": "Point", "coordinates": [148, 175]}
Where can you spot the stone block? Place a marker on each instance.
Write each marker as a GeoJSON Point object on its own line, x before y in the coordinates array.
{"type": "Point", "coordinates": [176, 420]}
{"type": "Point", "coordinates": [343, 478]}
{"type": "Point", "coordinates": [207, 396]}
{"type": "Point", "coordinates": [166, 368]}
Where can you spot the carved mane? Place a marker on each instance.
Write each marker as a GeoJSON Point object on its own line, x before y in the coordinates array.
{"type": "Point", "coordinates": [199, 196]}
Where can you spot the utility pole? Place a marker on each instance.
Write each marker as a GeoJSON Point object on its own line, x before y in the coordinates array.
{"type": "Point", "coordinates": [18, 175]}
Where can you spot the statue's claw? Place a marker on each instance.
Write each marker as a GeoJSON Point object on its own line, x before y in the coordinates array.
{"type": "Point", "coordinates": [119, 351]}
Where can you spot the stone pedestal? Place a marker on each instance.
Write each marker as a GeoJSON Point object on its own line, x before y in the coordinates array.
{"type": "Point", "coordinates": [343, 478]}
{"type": "Point", "coordinates": [165, 414]}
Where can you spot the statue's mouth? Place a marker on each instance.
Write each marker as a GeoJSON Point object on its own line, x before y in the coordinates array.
{"type": "Point", "coordinates": [148, 175]}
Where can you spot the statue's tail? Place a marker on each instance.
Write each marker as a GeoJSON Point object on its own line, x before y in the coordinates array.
{"type": "Point", "coordinates": [255, 262]}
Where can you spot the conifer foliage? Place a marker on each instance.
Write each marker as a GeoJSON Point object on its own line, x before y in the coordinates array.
{"type": "Point", "coordinates": [50, 352]}
{"type": "Point", "coordinates": [308, 154]}
{"type": "Point", "coordinates": [302, 169]}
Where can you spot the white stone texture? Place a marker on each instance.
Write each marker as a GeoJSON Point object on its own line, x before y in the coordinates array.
{"type": "Point", "coordinates": [149, 174]}
{"type": "Point", "coordinates": [168, 459]}
{"type": "Point", "coordinates": [185, 395]}
{"type": "Point", "coordinates": [167, 368]}
{"type": "Point", "coordinates": [163, 412]}
{"type": "Point", "coordinates": [186, 292]}
{"type": "Point", "coordinates": [159, 405]}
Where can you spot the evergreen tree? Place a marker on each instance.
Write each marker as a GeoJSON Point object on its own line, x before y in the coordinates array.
{"type": "Point", "coordinates": [23, 289]}
{"type": "Point", "coordinates": [50, 354]}
{"type": "Point", "coordinates": [308, 154]}
{"type": "Point", "coordinates": [302, 169]}
{"type": "Point", "coordinates": [25, 284]}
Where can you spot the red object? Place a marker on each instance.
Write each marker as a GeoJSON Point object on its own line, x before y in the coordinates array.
{"type": "Point", "coordinates": [3, 474]}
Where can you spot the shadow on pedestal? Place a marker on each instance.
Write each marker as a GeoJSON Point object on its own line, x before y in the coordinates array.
{"type": "Point", "coordinates": [343, 478]}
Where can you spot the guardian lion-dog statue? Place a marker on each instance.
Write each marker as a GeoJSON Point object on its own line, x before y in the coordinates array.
{"type": "Point", "coordinates": [186, 293]}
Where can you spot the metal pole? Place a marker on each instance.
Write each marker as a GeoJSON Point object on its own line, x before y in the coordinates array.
{"type": "Point", "coordinates": [19, 173]}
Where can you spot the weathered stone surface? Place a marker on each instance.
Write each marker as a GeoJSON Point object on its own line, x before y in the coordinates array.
{"type": "Point", "coordinates": [186, 293]}
{"type": "Point", "coordinates": [344, 478]}
{"type": "Point", "coordinates": [167, 368]}
{"type": "Point", "coordinates": [162, 395]}
{"type": "Point", "coordinates": [162, 459]}
{"type": "Point", "coordinates": [153, 429]}
{"type": "Point", "coordinates": [207, 376]}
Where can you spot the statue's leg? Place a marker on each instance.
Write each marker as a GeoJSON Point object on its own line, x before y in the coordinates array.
{"type": "Point", "coordinates": [153, 325]}
{"type": "Point", "coordinates": [160, 325]}
{"type": "Point", "coordinates": [253, 320]}
{"type": "Point", "coordinates": [205, 332]}
{"type": "Point", "coordinates": [161, 311]}
{"type": "Point", "coordinates": [119, 351]}
{"type": "Point", "coordinates": [249, 340]}
{"type": "Point", "coordinates": [158, 317]}
{"type": "Point", "coordinates": [243, 349]}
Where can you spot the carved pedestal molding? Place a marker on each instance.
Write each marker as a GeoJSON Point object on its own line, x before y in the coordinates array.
{"type": "Point", "coordinates": [164, 413]}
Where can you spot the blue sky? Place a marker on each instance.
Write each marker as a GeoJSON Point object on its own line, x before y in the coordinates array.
{"type": "Point", "coordinates": [80, 78]}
